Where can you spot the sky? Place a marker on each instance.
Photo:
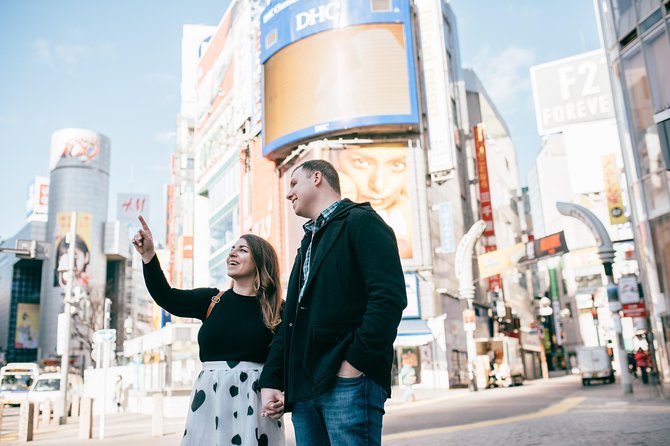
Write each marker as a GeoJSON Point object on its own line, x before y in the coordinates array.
{"type": "Point", "coordinates": [502, 39]}
{"type": "Point", "coordinates": [114, 67]}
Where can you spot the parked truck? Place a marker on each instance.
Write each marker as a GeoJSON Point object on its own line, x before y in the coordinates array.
{"type": "Point", "coordinates": [594, 363]}
{"type": "Point", "coordinates": [499, 362]}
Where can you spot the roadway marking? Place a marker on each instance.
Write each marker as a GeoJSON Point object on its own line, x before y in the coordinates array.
{"type": "Point", "coordinates": [421, 403]}
{"type": "Point", "coordinates": [558, 408]}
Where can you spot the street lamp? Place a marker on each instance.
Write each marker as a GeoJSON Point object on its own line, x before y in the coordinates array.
{"type": "Point", "coordinates": [466, 291]}
{"type": "Point", "coordinates": [606, 254]}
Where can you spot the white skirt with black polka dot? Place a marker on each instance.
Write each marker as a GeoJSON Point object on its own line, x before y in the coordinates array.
{"type": "Point", "coordinates": [225, 408]}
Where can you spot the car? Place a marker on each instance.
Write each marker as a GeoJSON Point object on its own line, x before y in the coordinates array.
{"type": "Point", "coordinates": [47, 387]}
{"type": "Point", "coordinates": [16, 378]}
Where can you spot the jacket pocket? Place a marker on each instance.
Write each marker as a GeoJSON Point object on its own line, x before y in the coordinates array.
{"type": "Point", "coordinates": [328, 346]}
{"type": "Point", "coordinates": [332, 334]}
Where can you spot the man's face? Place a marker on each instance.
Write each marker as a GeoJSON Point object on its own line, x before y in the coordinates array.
{"type": "Point", "coordinates": [380, 174]}
{"type": "Point", "coordinates": [301, 192]}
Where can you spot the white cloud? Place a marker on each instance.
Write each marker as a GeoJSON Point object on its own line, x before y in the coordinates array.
{"type": "Point", "coordinates": [505, 75]}
{"type": "Point", "coordinates": [69, 56]}
{"type": "Point", "coordinates": [165, 137]}
{"type": "Point", "coordinates": [43, 52]}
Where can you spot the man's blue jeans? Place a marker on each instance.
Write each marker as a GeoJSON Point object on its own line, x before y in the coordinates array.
{"type": "Point", "coordinates": [349, 415]}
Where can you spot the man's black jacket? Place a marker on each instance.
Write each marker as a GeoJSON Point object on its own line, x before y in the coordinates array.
{"type": "Point", "coordinates": [351, 308]}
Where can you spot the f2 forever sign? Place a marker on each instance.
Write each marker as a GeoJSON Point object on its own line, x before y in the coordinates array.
{"type": "Point", "coordinates": [570, 91]}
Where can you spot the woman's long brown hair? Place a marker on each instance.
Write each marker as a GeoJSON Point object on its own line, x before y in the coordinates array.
{"type": "Point", "coordinates": [268, 281]}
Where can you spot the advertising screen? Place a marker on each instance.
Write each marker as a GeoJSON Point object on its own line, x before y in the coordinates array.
{"type": "Point", "coordinates": [379, 175]}
{"type": "Point", "coordinates": [27, 324]}
{"type": "Point", "coordinates": [335, 66]}
{"type": "Point", "coordinates": [82, 252]}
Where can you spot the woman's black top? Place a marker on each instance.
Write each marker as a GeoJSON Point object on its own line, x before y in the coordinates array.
{"type": "Point", "coordinates": [234, 331]}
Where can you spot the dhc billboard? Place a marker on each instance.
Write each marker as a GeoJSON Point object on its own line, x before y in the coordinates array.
{"type": "Point", "coordinates": [335, 66]}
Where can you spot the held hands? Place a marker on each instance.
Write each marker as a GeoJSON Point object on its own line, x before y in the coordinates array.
{"type": "Point", "coordinates": [144, 242]}
{"type": "Point", "coordinates": [272, 402]}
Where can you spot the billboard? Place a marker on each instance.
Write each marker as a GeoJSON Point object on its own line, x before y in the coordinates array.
{"type": "Point", "coordinates": [571, 90]}
{"type": "Point", "coordinates": [82, 253]}
{"type": "Point", "coordinates": [486, 206]}
{"type": "Point", "coordinates": [130, 206]}
{"type": "Point", "coordinates": [331, 66]}
{"type": "Point", "coordinates": [38, 198]}
{"type": "Point", "coordinates": [27, 326]}
{"type": "Point", "coordinates": [378, 174]}
{"type": "Point", "coordinates": [77, 147]}
{"type": "Point", "coordinates": [612, 176]}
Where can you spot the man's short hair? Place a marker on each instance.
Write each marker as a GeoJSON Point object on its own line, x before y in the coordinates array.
{"type": "Point", "coordinates": [326, 169]}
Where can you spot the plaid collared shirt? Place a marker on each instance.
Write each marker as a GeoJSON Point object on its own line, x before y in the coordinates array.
{"type": "Point", "coordinates": [313, 227]}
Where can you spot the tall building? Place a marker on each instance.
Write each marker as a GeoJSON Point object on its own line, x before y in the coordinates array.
{"type": "Point", "coordinates": [79, 182]}
{"type": "Point", "coordinates": [394, 124]}
{"type": "Point", "coordinates": [181, 193]}
{"type": "Point", "coordinates": [636, 37]}
{"type": "Point", "coordinates": [579, 162]}
{"type": "Point", "coordinates": [20, 288]}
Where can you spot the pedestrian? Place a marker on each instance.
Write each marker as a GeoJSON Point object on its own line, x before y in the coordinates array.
{"type": "Point", "coordinates": [642, 362]}
{"type": "Point", "coordinates": [234, 340]}
{"type": "Point", "coordinates": [118, 393]}
{"type": "Point", "coordinates": [332, 356]}
{"type": "Point", "coordinates": [632, 364]}
{"type": "Point", "coordinates": [408, 379]}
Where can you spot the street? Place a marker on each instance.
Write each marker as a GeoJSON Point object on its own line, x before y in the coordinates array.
{"type": "Point", "coordinates": [554, 412]}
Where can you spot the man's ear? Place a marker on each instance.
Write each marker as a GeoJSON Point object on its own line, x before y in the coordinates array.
{"type": "Point", "coordinates": [318, 178]}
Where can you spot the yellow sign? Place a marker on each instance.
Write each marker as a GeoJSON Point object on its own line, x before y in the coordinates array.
{"type": "Point", "coordinates": [497, 262]}
{"type": "Point", "coordinates": [611, 175]}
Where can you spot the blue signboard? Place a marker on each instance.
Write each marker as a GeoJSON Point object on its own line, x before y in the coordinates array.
{"type": "Point", "coordinates": [333, 65]}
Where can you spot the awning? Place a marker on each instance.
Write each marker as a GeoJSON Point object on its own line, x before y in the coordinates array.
{"type": "Point", "coordinates": [413, 332]}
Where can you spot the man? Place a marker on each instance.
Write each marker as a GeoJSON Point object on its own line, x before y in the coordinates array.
{"type": "Point", "coordinates": [332, 356]}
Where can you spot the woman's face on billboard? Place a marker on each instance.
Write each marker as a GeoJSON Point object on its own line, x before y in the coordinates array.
{"type": "Point", "coordinates": [379, 174]}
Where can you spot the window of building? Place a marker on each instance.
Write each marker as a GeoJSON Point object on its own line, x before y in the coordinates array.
{"type": "Point", "coordinates": [640, 113]}
{"type": "Point", "coordinates": [224, 230]}
{"type": "Point", "coordinates": [644, 7]}
{"type": "Point", "coordinates": [657, 55]}
{"type": "Point", "coordinates": [624, 16]}
{"type": "Point", "coordinates": [224, 189]}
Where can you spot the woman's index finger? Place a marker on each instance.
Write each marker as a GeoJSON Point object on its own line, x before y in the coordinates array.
{"type": "Point", "coordinates": [144, 224]}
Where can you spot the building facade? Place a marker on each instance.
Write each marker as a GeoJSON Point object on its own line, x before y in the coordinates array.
{"type": "Point", "coordinates": [394, 124]}
{"type": "Point", "coordinates": [579, 162]}
{"type": "Point", "coordinates": [79, 182]}
{"type": "Point", "coordinates": [636, 37]}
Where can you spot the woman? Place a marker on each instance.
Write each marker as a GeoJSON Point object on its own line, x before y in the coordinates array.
{"type": "Point", "coordinates": [234, 340]}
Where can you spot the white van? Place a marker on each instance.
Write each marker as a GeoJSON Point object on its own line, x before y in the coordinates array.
{"type": "Point", "coordinates": [594, 363]}
{"type": "Point", "coordinates": [47, 388]}
{"type": "Point", "coordinates": [16, 378]}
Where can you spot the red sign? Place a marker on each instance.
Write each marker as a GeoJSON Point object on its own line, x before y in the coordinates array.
{"type": "Point", "coordinates": [494, 283]}
{"type": "Point", "coordinates": [634, 310]}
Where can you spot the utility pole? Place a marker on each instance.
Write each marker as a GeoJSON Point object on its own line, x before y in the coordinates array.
{"type": "Point", "coordinates": [466, 291]}
{"type": "Point", "coordinates": [606, 254]}
{"type": "Point", "coordinates": [106, 348]}
{"type": "Point", "coordinates": [65, 356]}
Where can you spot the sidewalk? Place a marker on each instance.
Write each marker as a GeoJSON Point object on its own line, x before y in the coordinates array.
{"type": "Point", "coordinates": [130, 429]}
